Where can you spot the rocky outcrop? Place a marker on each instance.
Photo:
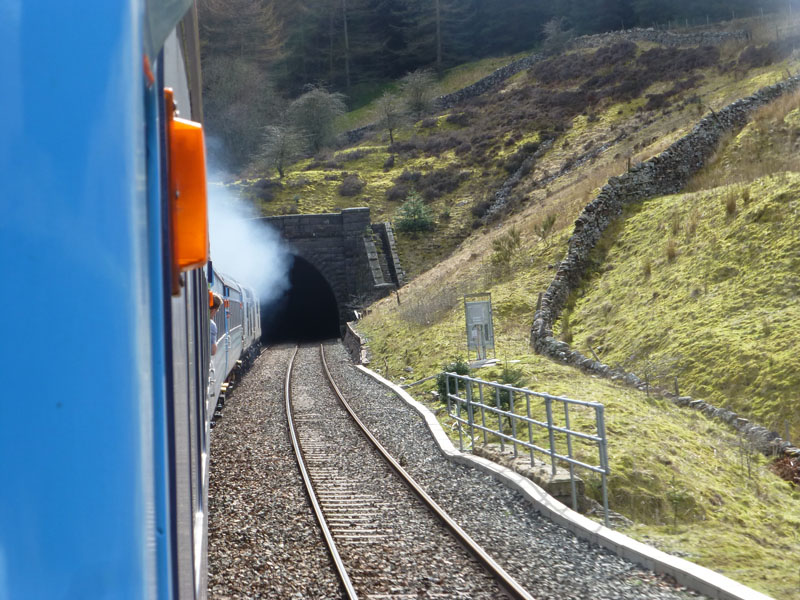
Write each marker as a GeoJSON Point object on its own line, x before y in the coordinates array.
{"type": "Point", "coordinates": [667, 173]}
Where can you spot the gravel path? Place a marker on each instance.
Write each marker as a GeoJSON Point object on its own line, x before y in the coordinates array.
{"type": "Point", "coordinates": [263, 539]}
{"type": "Point", "coordinates": [548, 561]}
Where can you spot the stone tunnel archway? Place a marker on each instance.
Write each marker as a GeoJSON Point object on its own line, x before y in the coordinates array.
{"type": "Point", "coordinates": [356, 258]}
{"type": "Point", "coordinates": [307, 311]}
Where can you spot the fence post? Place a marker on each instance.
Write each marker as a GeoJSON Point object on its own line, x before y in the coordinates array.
{"type": "Point", "coordinates": [513, 422]}
{"type": "Point", "coordinates": [483, 412]}
{"type": "Point", "coordinates": [499, 419]}
{"type": "Point", "coordinates": [548, 402]}
{"type": "Point", "coordinates": [530, 425]}
{"type": "Point", "coordinates": [458, 419]}
{"type": "Point", "coordinates": [569, 453]}
{"type": "Point", "coordinates": [470, 415]}
{"type": "Point", "coordinates": [601, 431]}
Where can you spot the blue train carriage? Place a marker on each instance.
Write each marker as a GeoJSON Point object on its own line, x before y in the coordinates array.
{"type": "Point", "coordinates": [102, 241]}
{"type": "Point", "coordinates": [238, 334]}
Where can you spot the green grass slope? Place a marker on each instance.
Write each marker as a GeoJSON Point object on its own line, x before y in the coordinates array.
{"type": "Point", "coordinates": [704, 286]}
{"type": "Point", "coordinates": [716, 309]}
{"type": "Point", "coordinates": [604, 107]}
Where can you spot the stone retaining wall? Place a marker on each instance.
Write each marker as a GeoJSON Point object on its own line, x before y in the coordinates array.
{"type": "Point", "coordinates": [667, 173]}
{"type": "Point", "coordinates": [489, 82]}
{"type": "Point", "coordinates": [663, 38]}
{"type": "Point", "coordinates": [355, 345]}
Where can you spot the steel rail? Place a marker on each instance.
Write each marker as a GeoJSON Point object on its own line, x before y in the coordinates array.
{"type": "Point", "coordinates": [506, 582]}
{"type": "Point", "coordinates": [344, 578]}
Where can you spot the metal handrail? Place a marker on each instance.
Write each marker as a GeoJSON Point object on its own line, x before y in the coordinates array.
{"type": "Point", "coordinates": [471, 403]}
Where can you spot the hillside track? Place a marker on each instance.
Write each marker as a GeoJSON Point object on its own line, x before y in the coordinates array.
{"type": "Point", "coordinates": [390, 544]}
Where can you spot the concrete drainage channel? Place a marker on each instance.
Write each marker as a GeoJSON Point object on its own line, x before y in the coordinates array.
{"type": "Point", "coordinates": [688, 574]}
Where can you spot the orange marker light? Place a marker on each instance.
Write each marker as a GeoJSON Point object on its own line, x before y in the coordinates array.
{"type": "Point", "coordinates": [187, 189]}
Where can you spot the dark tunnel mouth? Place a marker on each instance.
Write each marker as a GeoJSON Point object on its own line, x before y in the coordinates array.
{"type": "Point", "coordinates": [306, 312]}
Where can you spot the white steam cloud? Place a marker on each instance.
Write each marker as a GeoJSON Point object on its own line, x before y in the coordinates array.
{"type": "Point", "coordinates": [248, 250]}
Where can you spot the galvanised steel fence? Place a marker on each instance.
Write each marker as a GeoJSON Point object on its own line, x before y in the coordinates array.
{"type": "Point", "coordinates": [492, 408]}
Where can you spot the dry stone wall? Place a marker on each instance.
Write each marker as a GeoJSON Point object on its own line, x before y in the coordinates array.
{"type": "Point", "coordinates": [667, 173]}
{"type": "Point", "coordinates": [663, 38]}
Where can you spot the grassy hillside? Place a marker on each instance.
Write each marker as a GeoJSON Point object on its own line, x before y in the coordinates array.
{"type": "Point", "coordinates": [604, 107]}
{"type": "Point", "coordinates": [702, 285]}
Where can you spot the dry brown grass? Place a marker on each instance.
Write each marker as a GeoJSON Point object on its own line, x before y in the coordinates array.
{"type": "Point", "coordinates": [768, 146]}
{"type": "Point", "coordinates": [671, 249]}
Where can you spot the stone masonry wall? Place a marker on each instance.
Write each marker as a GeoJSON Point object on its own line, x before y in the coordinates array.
{"type": "Point", "coordinates": [663, 38]}
{"type": "Point", "coordinates": [667, 173]}
{"type": "Point", "coordinates": [335, 244]}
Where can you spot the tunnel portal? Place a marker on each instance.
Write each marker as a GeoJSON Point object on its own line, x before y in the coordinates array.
{"type": "Point", "coordinates": [307, 311]}
{"type": "Point", "coordinates": [357, 259]}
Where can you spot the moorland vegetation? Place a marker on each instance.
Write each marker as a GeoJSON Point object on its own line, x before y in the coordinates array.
{"type": "Point", "coordinates": [701, 286]}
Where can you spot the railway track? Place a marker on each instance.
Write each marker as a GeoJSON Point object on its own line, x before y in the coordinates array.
{"type": "Point", "coordinates": [386, 536]}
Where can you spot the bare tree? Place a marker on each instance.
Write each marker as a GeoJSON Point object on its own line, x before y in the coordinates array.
{"type": "Point", "coordinates": [556, 35]}
{"type": "Point", "coordinates": [389, 113]}
{"type": "Point", "coordinates": [314, 114]}
{"type": "Point", "coordinates": [281, 146]}
{"type": "Point", "coordinates": [418, 92]}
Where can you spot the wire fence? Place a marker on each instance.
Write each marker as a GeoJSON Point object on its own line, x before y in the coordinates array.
{"type": "Point", "coordinates": [523, 418]}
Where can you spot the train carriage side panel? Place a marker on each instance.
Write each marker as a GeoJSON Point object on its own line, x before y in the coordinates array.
{"type": "Point", "coordinates": [234, 312]}
{"type": "Point", "coordinates": [218, 360]}
{"type": "Point", "coordinates": [188, 315]}
{"type": "Point", "coordinates": [79, 515]}
{"type": "Point", "coordinates": [95, 492]}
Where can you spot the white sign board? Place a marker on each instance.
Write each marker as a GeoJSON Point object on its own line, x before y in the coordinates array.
{"type": "Point", "coordinates": [480, 329]}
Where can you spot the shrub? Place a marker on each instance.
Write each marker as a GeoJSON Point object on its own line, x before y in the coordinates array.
{"type": "Point", "coordinates": [480, 208]}
{"type": "Point", "coordinates": [418, 89]}
{"type": "Point", "coordinates": [761, 56]}
{"type": "Point", "coordinates": [461, 119]}
{"type": "Point", "coordinates": [672, 249]}
{"type": "Point", "coordinates": [463, 148]}
{"type": "Point", "coordinates": [351, 186]}
{"type": "Point", "coordinates": [460, 367]}
{"type": "Point", "coordinates": [434, 145]}
{"type": "Point", "coordinates": [504, 248]}
{"type": "Point", "coordinates": [353, 154]}
{"type": "Point", "coordinates": [440, 182]}
{"type": "Point", "coordinates": [514, 161]}
{"type": "Point", "coordinates": [730, 204]}
{"type": "Point", "coordinates": [408, 176]}
{"type": "Point", "coordinates": [388, 163]}
{"type": "Point", "coordinates": [266, 189]}
{"type": "Point", "coordinates": [414, 216]}
{"type": "Point", "coordinates": [515, 377]}
{"type": "Point", "coordinates": [545, 228]}
{"type": "Point", "coordinates": [398, 192]}
{"type": "Point", "coordinates": [410, 147]}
